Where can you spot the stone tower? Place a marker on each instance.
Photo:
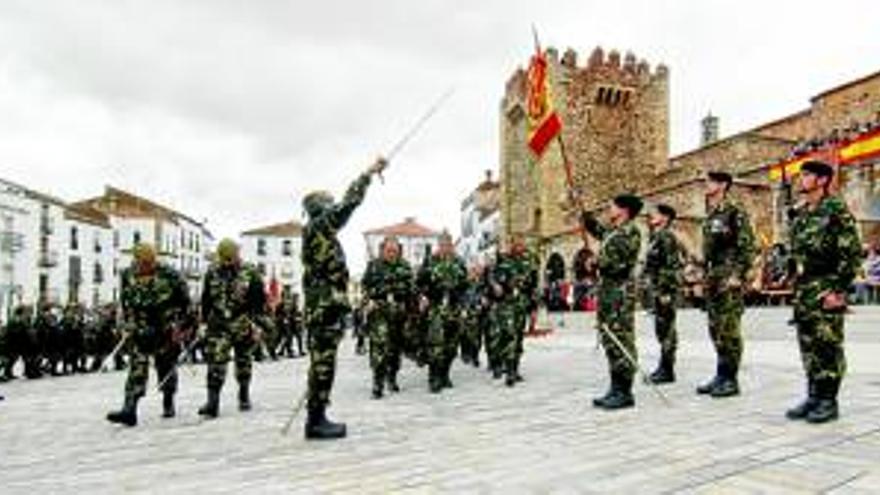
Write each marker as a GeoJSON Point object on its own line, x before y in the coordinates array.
{"type": "Point", "coordinates": [615, 130]}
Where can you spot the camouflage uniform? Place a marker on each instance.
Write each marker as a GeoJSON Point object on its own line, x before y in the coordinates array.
{"type": "Point", "coordinates": [443, 280]}
{"type": "Point", "coordinates": [663, 266]}
{"type": "Point", "coordinates": [476, 309]}
{"type": "Point", "coordinates": [826, 248]}
{"type": "Point", "coordinates": [728, 251]}
{"type": "Point", "coordinates": [325, 282]}
{"type": "Point", "coordinates": [517, 278]}
{"type": "Point", "coordinates": [388, 285]}
{"type": "Point", "coordinates": [151, 304]}
{"type": "Point", "coordinates": [616, 293]}
{"type": "Point", "coordinates": [233, 305]}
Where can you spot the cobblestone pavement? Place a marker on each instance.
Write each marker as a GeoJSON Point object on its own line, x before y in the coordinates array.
{"type": "Point", "coordinates": [481, 437]}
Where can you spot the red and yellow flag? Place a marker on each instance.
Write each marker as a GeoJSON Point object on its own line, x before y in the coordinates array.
{"type": "Point", "coordinates": [864, 147]}
{"type": "Point", "coordinates": [544, 123]}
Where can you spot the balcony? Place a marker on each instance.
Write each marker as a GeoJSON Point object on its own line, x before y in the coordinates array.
{"type": "Point", "coordinates": [48, 259]}
{"type": "Point", "coordinates": [47, 227]}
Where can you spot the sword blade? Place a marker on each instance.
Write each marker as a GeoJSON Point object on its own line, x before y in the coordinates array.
{"type": "Point", "coordinates": [396, 149]}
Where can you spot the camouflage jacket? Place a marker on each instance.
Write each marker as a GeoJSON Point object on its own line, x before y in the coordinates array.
{"type": "Point", "coordinates": [322, 255]}
{"type": "Point", "coordinates": [728, 243]}
{"type": "Point", "coordinates": [518, 279]}
{"type": "Point", "coordinates": [230, 293]}
{"type": "Point", "coordinates": [619, 249]}
{"type": "Point", "coordinates": [825, 245]}
{"type": "Point", "coordinates": [155, 301]}
{"type": "Point", "coordinates": [384, 281]}
{"type": "Point", "coordinates": [663, 263]}
{"type": "Point", "coordinates": [443, 279]}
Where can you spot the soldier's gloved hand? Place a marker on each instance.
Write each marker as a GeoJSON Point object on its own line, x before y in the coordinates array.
{"type": "Point", "coordinates": [378, 166]}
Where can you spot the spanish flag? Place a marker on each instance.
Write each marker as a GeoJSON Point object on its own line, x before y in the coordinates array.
{"type": "Point", "coordinates": [864, 147]}
{"type": "Point", "coordinates": [544, 123]}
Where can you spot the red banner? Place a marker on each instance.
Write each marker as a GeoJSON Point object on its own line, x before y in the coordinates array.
{"type": "Point", "coordinates": [544, 122]}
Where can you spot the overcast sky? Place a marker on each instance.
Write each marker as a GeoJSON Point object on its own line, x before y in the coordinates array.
{"type": "Point", "coordinates": [233, 110]}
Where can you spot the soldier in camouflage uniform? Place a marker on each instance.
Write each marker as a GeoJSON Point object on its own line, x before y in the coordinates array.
{"type": "Point", "coordinates": [476, 306]}
{"type": "Point", "coordinates": [620, 243]}
{"type": "Point", "coordinates": [728, 254]}
{"type": "Point", "coordinates": [827, 251]}
{"type": "Point", "coordinates": [443, 283]}
{"type": "Point", "coordinates": [388, 288]}
{"type": "Point", "coordinates": [663, 266]}
{"type": "Point", "coordinates": [233, 306]}
{"type": "Point", "coordinates": [153, 298]}
{"type": "Point", "coordinates": [514, 279]}
{"type": "Point", "coordinates": [325, 282]}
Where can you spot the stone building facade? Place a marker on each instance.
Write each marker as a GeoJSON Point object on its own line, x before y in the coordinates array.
{"type": "Point", "coordinates": [615, 130]}
{"type": "Point", "coordinates": [616, 119]}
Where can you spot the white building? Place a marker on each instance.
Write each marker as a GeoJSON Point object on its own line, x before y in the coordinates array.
{"type": "Point", "coordinates": [480, 222]}
{"type": "Point", "coordinates": [29, 248]}
{"type": "Point", "coordinates": [413, 237]}
{"type": "Point", "coordinates": [86, 272]}
{"type": "Point", "coordinates": [59, 252]}
{"type": "Point", "coordinates": [276, 250]}
{"type": "Point", "coordinates": [181, 242]}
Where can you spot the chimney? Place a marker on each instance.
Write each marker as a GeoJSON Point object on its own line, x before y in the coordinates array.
{"type": "Point", "coordinates": [488, 175]}
{"type": "Point", "coordinates": [709, 126]}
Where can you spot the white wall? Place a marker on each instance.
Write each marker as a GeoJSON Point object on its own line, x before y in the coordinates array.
{"type": "Point", "coordinates": [287, 268]}
{"type": "Point", "coordinates": [94, 247]}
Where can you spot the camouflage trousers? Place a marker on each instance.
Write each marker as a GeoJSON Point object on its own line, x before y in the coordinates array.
{"type": "Point", "coordinates": [165, 361]}
{"type": "Point", "coordinates": [385, 330]}
{"type": "Point", "coordinates": [616, 315]}
{"type": "Point", "coordinates": [664, 327]}
{"type": "Point", "coordinates": [820, 336]}
{"type": "Point", "coordinates": [494, 338]}
{"type": "Point", "coordinates": [725, 309]}
{"type": "Point", "coordinates": [443, 337]}
{"type": "Point", "coordinates": [223, 337]}
{"type": "Point", "coordinates": [511, 322]}
{"type": "Point", "coordinates": [324, 317]}
{"type": "Point", "coordinates": [472, 335]}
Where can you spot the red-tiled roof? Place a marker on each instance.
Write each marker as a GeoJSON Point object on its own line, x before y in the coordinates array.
{"type": "Point", "coordinates": [408, 228]}
{"type": "Point", "coordinates": [286, 229]}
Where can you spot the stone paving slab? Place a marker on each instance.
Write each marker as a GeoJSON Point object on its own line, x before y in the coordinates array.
{"type": "Point", "coordinates": [540, 437]}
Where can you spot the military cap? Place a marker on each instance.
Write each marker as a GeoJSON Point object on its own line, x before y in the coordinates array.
{"type": "Point", "coordinates": [630, 202]}
{"type": "Point", "coordinates": [720, 177]}
{"type": "Point", "coordinates": [817, 168]}
{"type": "Point", "coordinates": [666, 210]}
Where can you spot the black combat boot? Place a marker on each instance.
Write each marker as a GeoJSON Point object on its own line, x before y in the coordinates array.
{"type": "Point", "coordinates": [211, 409]}
{"type": "Point", "coordinates": [728, 386]}
{"type": "Point", "coordinates": [708, 387]}
{"type": "Point", "coordinates": [377, 386]}
{"type": "Point", "coordinates": [621, 396]}
{"type": "Point", "coordinates": [127, 415]}
{"type": "Point", "coordinates": [168, 404]}
{"type": "Point", "coordinates": [825, 409]}
{"type": "Point", "coordinates": [665, 372]}
{"type": "Point", "coordinates": [510, 372]}
{"type": "Point", "coordinates": [801, 410]}
{"type": "Point", "coordinates": [244, 396]}
{"type": "Point", "coordinates": [600, 401]}
{"type": "Point", "coordinates": [318, 427]}
{"type": "Point", "coordinates": [435, 381]}
{"type": "Point", "coordinates": [392, 383]}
